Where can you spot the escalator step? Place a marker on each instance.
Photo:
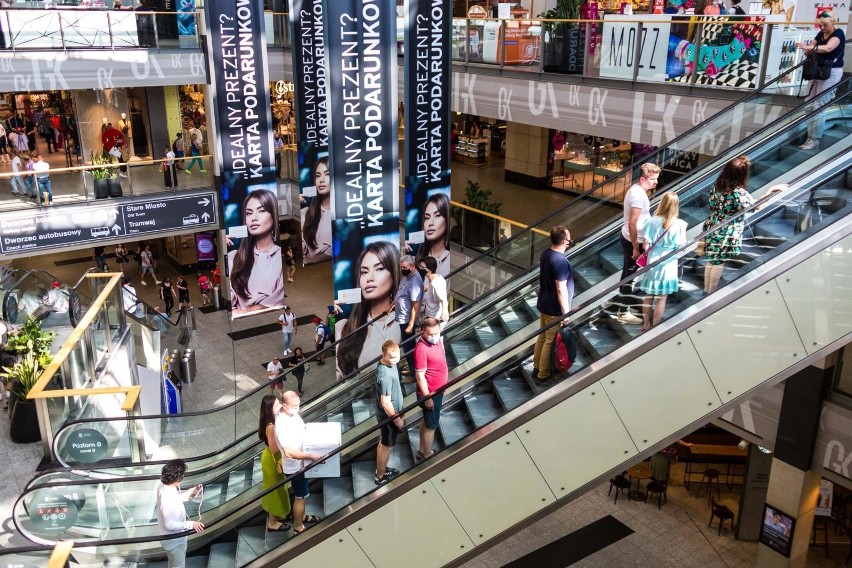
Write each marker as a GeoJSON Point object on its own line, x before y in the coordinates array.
{"type": "Point", "coordinates": [513, 319]}
{"type": "Point", "coordinates": [482, 408]}
{"type": "Point", "coordinates": [213, 495]}
{"type": "Point", "coordinates": [454, 426]}
{"type": "Point", "coordinates": [611, 260]}
{"type": "Point", "coordinates": [251, 543]}
{"type": "Point", "coordinates": [363, 477]}
{"type": "Point", "coordinates": [530, 301]}
{"type": "Point", "coordinates": [414, 440]}
{"type": "Point", "coordinates": [346, 422]}
{"type": "Point", "coordinates": [236, 484]}
{"type": "Point", "coordinates": [363, 409]}
{"type": "Point", "coordinates": [511, 392]}
{"type": "Point", "coordinates": [489, 334]}
{"type": "Point", "coordinates": [337, 492]}
{"type": "Point", "coordinates": [408, 388]}
{"type": "Point", "coordinates": [693, 215]}
{"type": "Point", "coordinates": [601, 341]}
{"type": "Point", "coordinates": [588, 275]}
{"type": "Point", "coordinates": [464, 348]}
{"type": "Point", "coordinates": [223, 555]}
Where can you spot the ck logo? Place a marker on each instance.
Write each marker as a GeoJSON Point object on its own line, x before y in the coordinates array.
{"type": "Point", "coordinates": [6, 64]}
{"type": "Point", "coordinates": [196, 65]}
{"type": "Point", "coordinates": [465, 101]}
{"type": "Point", "coordinates": [504, 100]}
{"type": "Point", "coordinates": [837, 459]}
{"type": "Point", "coordinates": [545, 94]}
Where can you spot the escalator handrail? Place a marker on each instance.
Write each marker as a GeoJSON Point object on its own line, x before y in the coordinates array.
{"type": "Point", "coordinates": [366, 369]}
{"type": "Point", "coordinates": [646, 159]}
{"type": "Point", "coordinates": [369, 435]}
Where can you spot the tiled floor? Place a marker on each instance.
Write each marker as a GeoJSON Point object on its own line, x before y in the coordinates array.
{"type": "Point", "coordinates": [675, 535]}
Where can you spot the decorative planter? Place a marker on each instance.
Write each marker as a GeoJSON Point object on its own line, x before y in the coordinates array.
{"type": "Point", "coordinates": [101, 189]}
{"type": "Point", "coordinates": [23, 425]}
{"type": "Point", "coordinates": [114, 187]}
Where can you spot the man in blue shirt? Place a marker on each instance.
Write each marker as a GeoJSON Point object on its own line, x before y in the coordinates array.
{"type": "Point", "coordinates": [407, 304]}
{"type": "Point", "coordinates": [555, 291]}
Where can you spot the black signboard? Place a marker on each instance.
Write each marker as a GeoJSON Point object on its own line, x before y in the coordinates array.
{"type": "Point", "coordinates": [27, 231]}
{"type": "Point", "coordinates": [53, 510]}
{"type": "Point", "coordinates": [86, 446]}
{"type": "Point", "coordinates": [427, 126]}
{"type": "Point", "coordinates": [363, 151]}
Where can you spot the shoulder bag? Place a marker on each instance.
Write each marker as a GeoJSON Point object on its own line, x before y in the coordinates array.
{"type": "Point", "coordinates": [642, 259]}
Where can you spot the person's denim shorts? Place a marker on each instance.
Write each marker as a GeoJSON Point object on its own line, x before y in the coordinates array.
{"type": "Point", "coordinates": [300, 487]}
{"type": "Point", "coordinates": [431, 417]}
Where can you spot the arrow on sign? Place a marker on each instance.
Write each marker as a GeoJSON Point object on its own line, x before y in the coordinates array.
{"type": "Point", "coordinates": [204, 202]}
{"type": "Point", "coordinates": [116, 229]}
{"type": "Point", "coordinates": [205, 216]}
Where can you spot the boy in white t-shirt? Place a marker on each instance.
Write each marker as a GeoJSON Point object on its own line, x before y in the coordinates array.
{"type": "Point", "coordinates": [637, 211]}
{"type": "Point", "coordinates": [287, 321]}
{"type": "Point", "coordinates": [273, 370]}
{"type": "Point", "coordinates": [18, 185]}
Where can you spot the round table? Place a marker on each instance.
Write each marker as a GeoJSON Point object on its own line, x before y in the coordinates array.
{"type": "Point", "coordinates": [639, 472]}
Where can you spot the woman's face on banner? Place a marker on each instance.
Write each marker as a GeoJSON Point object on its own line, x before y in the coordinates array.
{"type": "Point", "coordinates": [375, 279]}
{"type": "Point", "coordinates": [321, 179]}
{"type": "Point", "coordinates": [258, 220]}
{"type": "Point", "coordinates": [434, 224]}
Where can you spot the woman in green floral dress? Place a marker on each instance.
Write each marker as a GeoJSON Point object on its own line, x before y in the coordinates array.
{"type": "Point", "coordinates": [727, 198]}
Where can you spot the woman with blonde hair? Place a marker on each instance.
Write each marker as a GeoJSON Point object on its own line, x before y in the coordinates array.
{"type": "Point", "coordinates": [663, 233]}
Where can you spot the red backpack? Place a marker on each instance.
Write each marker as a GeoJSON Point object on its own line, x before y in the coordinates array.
{"type": "Point", "coordinates": [564, 350]}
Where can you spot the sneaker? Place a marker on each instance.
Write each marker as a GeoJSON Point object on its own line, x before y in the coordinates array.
{"type": "Point", "coordinates": [143, 282]}
{"type": "Point", "coordinates": [630, 319]}
{"type": "Point", "coordinates": [203, 171]}
{"type": "Point", "coordinates": [187, 172]}
{"type": "Point", "coordinates": [158, 281]}
{"type": "Point", "coordinates": [810, 144]}
{"type": "Point", "coordinates": [289, 280]}
{"type": "Point", "coordinates": [122, 176]}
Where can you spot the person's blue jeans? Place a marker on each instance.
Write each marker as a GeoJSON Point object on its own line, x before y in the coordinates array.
{"type": "Point", "coordinates": [31, 189]}
{"type": "Point", "coordinates": [18, 185]}
{"type": "Point", "coordinates": [44, 186]}
{"type": "Point", "coordinates": [288, 337]}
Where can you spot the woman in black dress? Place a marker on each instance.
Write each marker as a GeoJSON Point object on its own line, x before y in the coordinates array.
{"type": "Point", "coordinates": [167, 295]}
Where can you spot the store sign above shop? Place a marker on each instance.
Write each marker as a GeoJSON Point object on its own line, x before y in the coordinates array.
{"type": "Point", "coordinates": [27, 231]}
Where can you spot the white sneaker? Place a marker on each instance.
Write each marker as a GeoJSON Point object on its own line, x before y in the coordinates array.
{"type": "Point", "coordinates": [143, 282]}
{"type": "Point", "coordinates": [628, 318]}
{"type": "Point", "coordinates": [289, 280]}
{"type": "Point", "coordinates": [159, 282]}
{"type": "Point", "coordinates": [122, 175]}
{"type": "Point", "coordinates": [810, 144]}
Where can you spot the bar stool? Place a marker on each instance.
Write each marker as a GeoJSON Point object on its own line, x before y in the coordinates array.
{"type": "Point", "coordinates": [820, 525]}
{"type": "Point", "coordinates": [723, 513]}
{"type": "Point", "coordinates": [710, 479]}
{"type": "Point", "coordinates": [620, 483]}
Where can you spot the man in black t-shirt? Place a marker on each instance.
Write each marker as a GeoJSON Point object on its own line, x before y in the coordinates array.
{"type": "Point", "coordinates": [555, 291]}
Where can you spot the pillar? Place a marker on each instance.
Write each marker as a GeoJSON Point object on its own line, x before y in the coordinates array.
{"type": "Point", "coordinates": [793, 486]}
{"type": "Point", "coordinates": [526, 155]}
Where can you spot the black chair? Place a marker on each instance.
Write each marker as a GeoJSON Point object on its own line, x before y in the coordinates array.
{"type": "Point", "coordinates": [660, 488]}
{"type": "Point", "coordinates": [723, 513]}
{"type": "Point", "coordinates": [820, 525]}
{"type": "Point", "coordinates": [710, 480]}
{"type": "Point", "coordinates": [620, 483]}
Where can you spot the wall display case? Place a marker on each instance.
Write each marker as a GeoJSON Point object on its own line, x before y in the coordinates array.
{"type": "Point", "coordinates": [472, 150]}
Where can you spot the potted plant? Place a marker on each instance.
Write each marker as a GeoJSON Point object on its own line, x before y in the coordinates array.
{"type": "Point", "coordinates": [31, 344]}
{"type": "Point", "coordinates": [101, 175]}
{"type": "Point", "coordinates": [482, 232]}
{"type": "Point", "coordinates": [564, 42]}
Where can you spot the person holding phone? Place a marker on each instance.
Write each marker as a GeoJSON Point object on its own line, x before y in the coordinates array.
{"type": "Point", "coordinates": [171, 513]}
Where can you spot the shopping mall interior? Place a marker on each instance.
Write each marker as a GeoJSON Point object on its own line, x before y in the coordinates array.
{"type": "Point", "coordinates": [720, 436]}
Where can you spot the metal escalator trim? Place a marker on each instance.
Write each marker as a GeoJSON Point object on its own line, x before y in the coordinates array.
{"type": "Point", "coordinates": [512, 419]}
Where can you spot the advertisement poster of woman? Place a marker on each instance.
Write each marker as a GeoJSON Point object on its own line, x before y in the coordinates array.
{"type": "Point", "coordinates": [316, 215]}
{"type": "Point", "coordinates": [433, 237]}
{"type": "Point", "coordinates": [255, 266]}
{"type": "Point", "coordinates": [378, 280]}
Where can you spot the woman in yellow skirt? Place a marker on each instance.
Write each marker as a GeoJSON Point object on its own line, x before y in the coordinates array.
{"type": "Point", "coordinates": [277, 503]}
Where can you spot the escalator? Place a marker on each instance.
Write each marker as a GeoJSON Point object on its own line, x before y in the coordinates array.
{"type": "Point", "coordinates": [777, 300]}
{"type": "Point", "coordinates": [235, 421]}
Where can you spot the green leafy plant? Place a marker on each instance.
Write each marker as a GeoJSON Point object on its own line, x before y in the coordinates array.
{"type": "Point", "coordinates": [102, 159]}
{"type": "Point", "coordinates": [564, 10]}
{"type": "Point", "coordinates": [479, 198]}
{"type": "Point", "coordinates": [26, 372]}
{"type": "Point", "coordinates": [31, 338]}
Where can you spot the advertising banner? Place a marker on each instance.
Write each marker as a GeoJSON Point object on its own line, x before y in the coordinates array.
{"type": "Point", "coordinates": [362, 90]}
{"type": "Point", "coordinates": [240, 90]}
{"type": "Point", "coordinates": [311, 86]}
{"type": "Point", "coordinates": [427, 127]}
{"type": "Point", "coordinates": [618, 48]}
{"type": "Point", "coordinates": [186, 23]}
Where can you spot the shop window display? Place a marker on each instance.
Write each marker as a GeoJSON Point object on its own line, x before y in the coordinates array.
{"type": "Point", "coordinates": [577, 162]}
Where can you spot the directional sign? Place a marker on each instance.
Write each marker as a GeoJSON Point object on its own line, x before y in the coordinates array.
{"type": "Point", "coordinates": [25, 231]}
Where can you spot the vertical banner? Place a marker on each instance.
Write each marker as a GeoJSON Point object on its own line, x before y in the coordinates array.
{"type": "Point", "coordinates": [240, 95]}
{"type": "Point", "coordinates": [362, 90]}
{"type": "Point", "coordinates": [311, 84]}
{"type": "Point", "coordinates": [186, 23]}
{"type": "Point", "coordinates": [427, 130]}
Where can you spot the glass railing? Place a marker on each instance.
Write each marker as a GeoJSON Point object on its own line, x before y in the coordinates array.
{"type": "Point", "coordinates": [91, 183]}
{"type": "Point", "coordinates": [72, 27]}
{"type": "Point", "coordinates": [115, 510]}
{"type": "Point", "coordinates": [348, 401]}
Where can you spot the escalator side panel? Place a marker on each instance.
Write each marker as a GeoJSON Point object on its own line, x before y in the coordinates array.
{"type": "Point", "coordinates": [747, 342]}
{"type": "Point", "coordinates": [818, 293]}
{"type": "Point", "coordinates": [661, 391]}
{"type": "Point", "coordinates": [342, 547]}
{"type": "Point", "coordinates": [515, 488]}
{"type": "Point", "coordinates": [416, 530]}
